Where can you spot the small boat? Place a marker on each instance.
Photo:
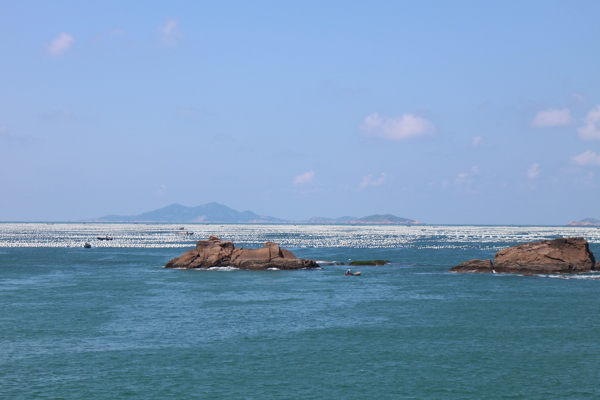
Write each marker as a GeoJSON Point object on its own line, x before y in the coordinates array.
{"type": "Point", "coordinates": [105, 238]}
{"type": "Point", "coordinates": [87, 245]}
{"type": "Point", "coordinates": [353, 273]}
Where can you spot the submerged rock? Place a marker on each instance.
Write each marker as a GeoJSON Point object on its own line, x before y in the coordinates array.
{"type": "Point", "coordinates": [215, 252]}
{"type": "Point", "coordinates": [369, 262]}
{"type": "Point", "coordinates": [562, 255]}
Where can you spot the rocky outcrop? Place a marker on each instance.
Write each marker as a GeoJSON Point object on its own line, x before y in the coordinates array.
{"type": "Point", "coordinates": [474, 266]}
{"type": "Point", "coordinates": [215, 252]}
{"type": "Point", "coordinates": [369, 262]}
{"type": "Point", "coordinates": [562, 255]}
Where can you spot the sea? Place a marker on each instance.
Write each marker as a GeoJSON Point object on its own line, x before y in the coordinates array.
{"type": "Point", "coordinates": [110, 322]}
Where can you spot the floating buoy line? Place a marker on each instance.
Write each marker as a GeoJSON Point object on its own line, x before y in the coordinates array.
{"type": "Point", "coordinates": [292, 236]}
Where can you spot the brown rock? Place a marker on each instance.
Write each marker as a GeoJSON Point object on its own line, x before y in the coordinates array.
{"type": "Point", "coordinates": [208, 253]}
{"type": "Point", "coordinates": [268, 252]}
{"type": "Point", "coordinates": [274, 250]}
{"type": "Point", "coordinates": [563, 255]}
{"type": "Point", "coordinates": [288, 254]}
{"type": "Point", "coordinates": [558, 256]}
{"type": "Point", "coordinates": [217, 253]}
{"type": "Point", "coordinates": [251, 254]}
{"type": "Point", "coordinates": [474, 266]}
{"type": "Point", "coordinates": [279, 263]}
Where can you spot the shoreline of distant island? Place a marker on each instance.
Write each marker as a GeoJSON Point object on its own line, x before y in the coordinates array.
{"type": "Point", "coordinates": [585, 222]}
{"type": "Point", "coordinates": [218, 213]}
{"type": "Point", "coordinates": [215, 213]}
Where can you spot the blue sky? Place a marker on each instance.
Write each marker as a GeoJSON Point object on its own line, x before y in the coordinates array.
{"type": "Point", "coordinates": [455, 112]}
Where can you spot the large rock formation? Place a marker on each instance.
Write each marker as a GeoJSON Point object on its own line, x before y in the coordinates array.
{"type": "Point", "coordinates": [563, 255]}
{"type": "Point", "coordinates": [215, 252]}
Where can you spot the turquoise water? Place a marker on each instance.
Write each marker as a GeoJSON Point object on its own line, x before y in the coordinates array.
{"type": "Point", "coordinates": [109, 323]}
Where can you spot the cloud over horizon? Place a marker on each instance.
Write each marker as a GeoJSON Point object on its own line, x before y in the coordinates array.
{"type": "Point", "coordinates": [477, 141]}
{"type": "Point", "coordinates": [464, 177]}
{"type": "Point", "coordinates": [374, 181]}
{"type": "Point", "coordinates": [591, 129]}
{"type": "Point", "coordinates": [587, 158]}
{"type": "Point", "coordinates": [552, 117]}
{"type": "Point", "coordinates": [60, 44]}
{"type": "Point", "coordinates": [397, 128]}
{"type": "Point", "coordinates": [534, 171]}
{"type": "Point", "coordinates": [304, 178]}
{"type": "Point", "coordinates": [170, 32]}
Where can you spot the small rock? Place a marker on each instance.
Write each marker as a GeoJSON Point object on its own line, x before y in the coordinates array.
{"type": "Point", "coordinates": [474, 266]}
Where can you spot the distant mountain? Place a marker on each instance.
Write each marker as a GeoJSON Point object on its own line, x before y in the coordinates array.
{"type": "Point", "coordinates": [218, 213]}
{"type": "Point", "coordinates": [371, 219]}
{"type": "Point", "coordinates": [585, 222]}
{"type": "Point", "coordinates": [344, 220]}
{"type": "Point", "coordinates": [211, 212]}
{"type": "Point", "coordinates": [384, 219]}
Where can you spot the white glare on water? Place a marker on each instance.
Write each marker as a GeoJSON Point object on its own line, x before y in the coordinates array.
{"type": "Point", "coordinates": [353, 236]}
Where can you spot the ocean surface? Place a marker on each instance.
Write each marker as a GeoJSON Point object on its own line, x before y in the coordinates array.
{"type": "Point", "coordinates": [109, 322]}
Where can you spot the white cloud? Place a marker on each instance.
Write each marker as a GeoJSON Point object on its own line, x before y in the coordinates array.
{"type": "Point", "coordinates": [464, 177]}
{"type": "Point", "coordinates": [162, 190]}
{"type": "Point", "coordinates": [371, 180]}
{"type": "Point", "coordinates": [587, 158]}
{"type": "Point", "coordinates": [533, 171]}
{"type": "Point", "coordinates": [552, 117]}
{"type": "Point", "coordinates": [399, 128]}
{"type": "Point", "coordinates": [170, 32]}
{"type": "Point", "coordinates": [591, 129]}
{"type": "Point", "coordinates": [60, 44]}
{"type": "Point", "coordinates": [304, 178]}
{"type": "Point", "coordinates": [477, 141]}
